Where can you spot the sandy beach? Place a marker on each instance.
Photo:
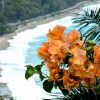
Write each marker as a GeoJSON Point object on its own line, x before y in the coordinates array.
{"type": "Point", "coordinates": [44, 19]}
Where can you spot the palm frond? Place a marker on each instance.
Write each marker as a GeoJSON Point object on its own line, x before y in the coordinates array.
{"type": "Point", "coordinates": [81, 94]}
{"type": "Point", "coordinates": [88, 16]}
{"type": "Point", "coordinates": [88, 23]}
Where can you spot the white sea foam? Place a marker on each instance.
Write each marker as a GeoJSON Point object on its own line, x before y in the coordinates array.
{"type": "Point", "coordinates": [18, 45]}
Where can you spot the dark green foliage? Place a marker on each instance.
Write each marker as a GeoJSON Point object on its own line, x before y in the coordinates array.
{"type": "Point", "coordinates": [81, 94]}
{"type": "Point", "coordinates": [89, 16]}
{"type": "Point", "coordinates": [97, 89]}
{"type": "Point", "coordinates": [66, 60]}
{"type": "Point", "coordinates": [89, 49]}
{"type": "Point", "coordinates": [11, 98]}
{"type": "Point", "coordinates": [38, 69]}
{"type": "Point", "coordinates": [30, 71]}
{"type": "Point", "coordinates": [61, 87]}
{"type": "Point", "coordinates": [89, 20]}
{"type": "Point", "coordinates": [48, 86]}
{"type": "Point", "coordinates": [90, 43]}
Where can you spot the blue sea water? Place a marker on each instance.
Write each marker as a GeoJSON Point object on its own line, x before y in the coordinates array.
{"type": "Point", "coordinates": [23, 50]}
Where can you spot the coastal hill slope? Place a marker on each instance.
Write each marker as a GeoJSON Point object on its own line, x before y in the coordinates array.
{"type": "Point", "coordinates": [12, 11]}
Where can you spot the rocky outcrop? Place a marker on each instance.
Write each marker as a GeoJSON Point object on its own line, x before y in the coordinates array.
{"type": "Point", "coordinates": [5, 92]}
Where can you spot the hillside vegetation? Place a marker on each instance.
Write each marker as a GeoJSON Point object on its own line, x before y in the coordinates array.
{"type": "Point", "coordinates": [12, 11]}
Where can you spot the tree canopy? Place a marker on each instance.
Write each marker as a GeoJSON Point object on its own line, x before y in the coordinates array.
{"type": "Point", "coordinates": [12, 11]}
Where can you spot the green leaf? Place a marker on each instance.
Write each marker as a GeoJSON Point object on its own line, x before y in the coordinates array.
{"type": "Point", "coordinates": [91, 94]}
{"type": "Point", "coordinates": [41, 76]}
{"type": "Point", "coordinates": [38, 70]}
{"type": "Point", "coordinates": [48, 86]}
{"type": "Point", "coordinates": [97, 89]}
{"type": "Point", "coordinates": [89, 49]}
{"type": "Point", "coordinates": [85, 94]}
{"type": "Point", "coordinates": [38, 67]}
{"type": "Point", "coordinates": [66, 60]}
{"type": "Point", "coordinates": [61, 87]}
{"type": "Point", "coordinates": [29, 71]}
{"type": "Point", "coordinates": [91, 43]}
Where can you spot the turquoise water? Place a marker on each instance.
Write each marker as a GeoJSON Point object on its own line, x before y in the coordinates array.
{"type": "Point", "coordinates": [31, 54]}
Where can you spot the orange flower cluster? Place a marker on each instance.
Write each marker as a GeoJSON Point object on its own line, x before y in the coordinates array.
{"type": "Point", "coordinates": [74, 69]}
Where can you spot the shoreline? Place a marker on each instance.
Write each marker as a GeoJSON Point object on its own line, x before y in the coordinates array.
{"type": "Point", "coordinates": [32, 23]}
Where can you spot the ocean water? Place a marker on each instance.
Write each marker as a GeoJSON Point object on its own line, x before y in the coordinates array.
{"type": "Point", "coordinates": [23, 50]}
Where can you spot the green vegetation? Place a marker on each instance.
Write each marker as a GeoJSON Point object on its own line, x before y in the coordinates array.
{"type": "Point", "coordinates": [12, 11]}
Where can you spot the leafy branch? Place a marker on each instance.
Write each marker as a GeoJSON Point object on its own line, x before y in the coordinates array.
{"type": "Point", "coordinates": [30, 71]}
{"type": "Point", "coordinates": [88, 23]}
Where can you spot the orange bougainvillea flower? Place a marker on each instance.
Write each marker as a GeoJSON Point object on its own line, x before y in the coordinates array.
{"type": "Point", "coordinates": [90, 74]}
{"type": "Point", "coordinates": [98, 72]}
{"type": "Point", "coordinates": [56, 46]}
{"type": "Point", "coordinates": [76, 70]}
{"type": "Point", "coordinates": [54, 76]}
{"type": "Point", "coordinates": [57, 51]}
{"type": "Point", "coordinates": [54, 71]}
{"type": "Point", "coordinates": [56, 33]}
{"type": "Point", "coordinates": [51, 66]}
{"type": "Point", "coordinates": [78, 44]}
{"type": "Point", "coordinates": [90, 71]}
{"type": "Point", "coordinates": [79, 56]}
{"type": "Point", "coordinates": [89, 82]}
{"type": "Point", "coordinates": [43, 50]}
{"type": "Point", "coordinates": [97, 55]}
{"type": "Point", "coordinates": [68, 81]}
{"type": "Point", "coordinates": [72, 36]}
